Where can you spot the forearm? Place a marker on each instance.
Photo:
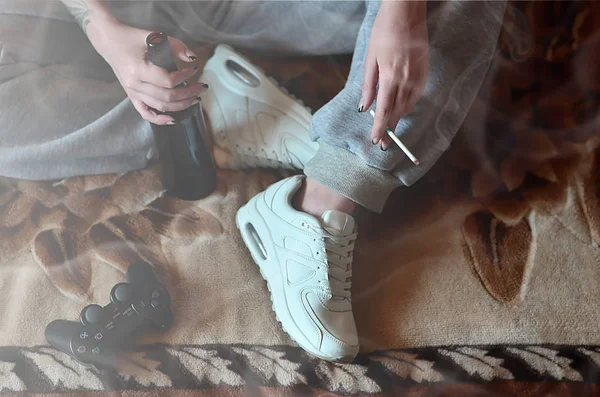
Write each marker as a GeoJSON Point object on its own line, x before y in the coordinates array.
{"type": "Point", "coordinates": [88, 12]}
{"type": "Point", "coordinates": [95, 18]}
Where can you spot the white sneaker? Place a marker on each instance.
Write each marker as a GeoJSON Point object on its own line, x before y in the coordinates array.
{"type": "Point", "coordinates": [308, 267]}
{"type": "Point", "coordinates": [254, 122]}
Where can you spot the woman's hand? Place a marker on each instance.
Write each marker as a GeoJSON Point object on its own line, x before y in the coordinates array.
{"type": "Point", "coordinates": [397, 59]}
{"type": "Point", "coordinates": [124, 48]}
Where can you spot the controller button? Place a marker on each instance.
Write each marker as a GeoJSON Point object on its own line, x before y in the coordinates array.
{"type": "Point", "coordinates": [83, 335]}
{"type": "Point", "coordinates": [81, 349]}
{"type": "Point", "coordinates": [99, 336]}
{"type": "Point", "coordinates": [96, 350]}
{"type": "Point", "coordinates": [155, 294]}
{"type": "Point", "coordinates": [155, 303]}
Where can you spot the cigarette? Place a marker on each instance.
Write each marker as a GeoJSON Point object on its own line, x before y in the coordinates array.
{"type": "Point", "coordinates": [399, 143]}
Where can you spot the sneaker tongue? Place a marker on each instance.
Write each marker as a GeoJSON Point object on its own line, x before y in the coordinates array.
{"type": "Point", "coordinates": [337, 223]}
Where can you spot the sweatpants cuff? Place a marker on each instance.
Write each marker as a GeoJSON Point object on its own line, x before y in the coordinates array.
{"type": "Point", "coordinates": [348, 175]}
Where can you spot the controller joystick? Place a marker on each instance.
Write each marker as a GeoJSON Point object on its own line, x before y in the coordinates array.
{"type": "Point", "coordinates": [121, 293]}
{"type": "Point", "coordinates": [91, 314]}
{"type": "Point", "coordinates": [141, 303]}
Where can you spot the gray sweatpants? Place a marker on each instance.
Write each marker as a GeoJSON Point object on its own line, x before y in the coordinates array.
{"type": "Point", "coordinates": [64, 113]}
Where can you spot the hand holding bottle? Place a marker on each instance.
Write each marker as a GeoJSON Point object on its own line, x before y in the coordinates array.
{"type": "Point", "coordinates": [147, 85]}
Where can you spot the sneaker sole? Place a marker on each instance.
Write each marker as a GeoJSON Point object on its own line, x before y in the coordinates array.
{"type": "Point", "coordinates": [242, 221]}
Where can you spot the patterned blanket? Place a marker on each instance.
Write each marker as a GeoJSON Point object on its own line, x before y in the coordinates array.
{"type": "Point", "coordinates": [482, 279]}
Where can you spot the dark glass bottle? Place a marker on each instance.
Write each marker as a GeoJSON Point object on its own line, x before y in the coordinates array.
{"type": "Point", "coordinates": [184, 152]}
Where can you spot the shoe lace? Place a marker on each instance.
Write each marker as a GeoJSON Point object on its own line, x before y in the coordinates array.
{"type": "Point", "coordinates": [339, 251]}
{"type": "Point", "coordinates": [250, 158]}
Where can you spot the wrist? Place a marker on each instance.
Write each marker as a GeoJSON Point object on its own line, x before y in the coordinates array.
{"type": "Point", "coordinates": [99, 31]}
{"type": "Point", "coordinates": [409, 12]}
{"type": "Point", "coordinates": [100, 24]}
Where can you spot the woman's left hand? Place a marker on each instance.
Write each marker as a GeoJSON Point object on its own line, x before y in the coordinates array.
{"type": "Point", "coordinates": [397, 59]}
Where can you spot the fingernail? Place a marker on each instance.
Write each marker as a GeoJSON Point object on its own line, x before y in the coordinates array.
{"type": "Point", "coordinates": [192, 57]}
{"type": "Point", "coordinates": [375, 141]}
{"type": "Point", "coordinates": [360, 108]}
{"type": "Point", "coordinates": [205, 86]}
{"type": "Point", "coordinates": [382, 149]}
{"type": "Point", "coordinates": [172, 122]}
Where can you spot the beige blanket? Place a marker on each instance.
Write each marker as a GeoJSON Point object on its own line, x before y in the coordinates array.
{"type": "Point", "coordinates": [437, 271]}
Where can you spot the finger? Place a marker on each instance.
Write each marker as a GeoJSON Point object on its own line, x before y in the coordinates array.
{"type": "Point", "coordinates": [163, 106]}
{"type": "Point", "coordinates": [385, 142]}
{"type": "Point", "coordinates": [369, 85]}
{"type": "Point", "coordinates": [402, 107]}
{"type": "Point", "coordinates": [385, 103]}
{"type": "Point", "coordinates": [415, 94]}
{"type": "Point", "coordinates": [160, 77]}
{"type": "Point", "coordinates": [411, 101]}
{"type": "Point", "coordinates": [411, 104]}
{"type": "Point", "coordinates": [171, 94]}
{"type": "Point", "coordinates": [181, 51]}
{"type": "Point", "coordinates": [397, 113]}
{"type": "Point", "coordinates": [147, 114]}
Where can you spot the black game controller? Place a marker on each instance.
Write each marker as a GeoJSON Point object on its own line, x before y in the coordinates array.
{"type": "Point", "coordinates": [142, 304]}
